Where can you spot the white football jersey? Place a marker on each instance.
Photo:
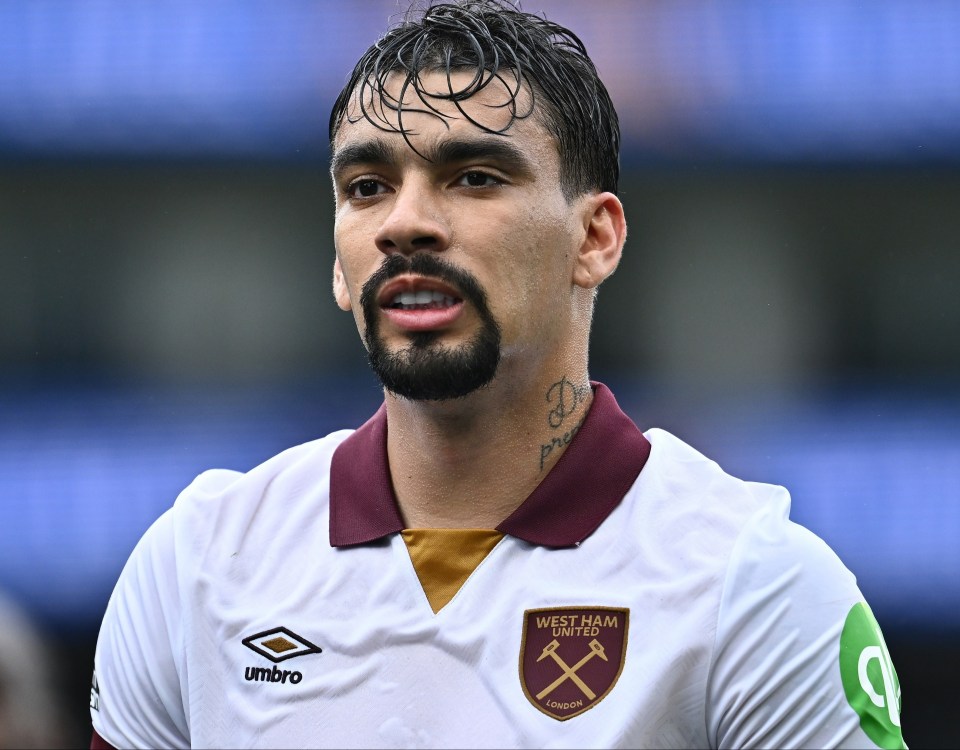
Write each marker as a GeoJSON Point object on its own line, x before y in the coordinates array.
{"type": "Point", "coordinates": [640, 597]}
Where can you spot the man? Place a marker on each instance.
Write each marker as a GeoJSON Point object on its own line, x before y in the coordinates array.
{"type": "Point", "coordinates": [499, 557]}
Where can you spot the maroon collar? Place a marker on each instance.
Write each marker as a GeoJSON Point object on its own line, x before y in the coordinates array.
{"type": "Point", "coordinates": [586, 484]}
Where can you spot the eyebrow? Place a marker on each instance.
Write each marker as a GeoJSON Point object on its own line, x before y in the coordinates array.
{"type": "Point", "coordinates": [447, 151]}
{"type": "Point", "coordinates": [365, 152]}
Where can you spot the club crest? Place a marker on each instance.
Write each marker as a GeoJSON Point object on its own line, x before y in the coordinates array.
{"type": "Point", "coordinates": [571, 657]}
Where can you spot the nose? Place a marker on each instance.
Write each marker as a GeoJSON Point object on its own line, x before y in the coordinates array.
{"type": "Point", "coordinates": [415, 222]}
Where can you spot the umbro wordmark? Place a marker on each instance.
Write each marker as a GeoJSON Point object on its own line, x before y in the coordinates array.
{"type": "Point", "coordinates": [261, 674]}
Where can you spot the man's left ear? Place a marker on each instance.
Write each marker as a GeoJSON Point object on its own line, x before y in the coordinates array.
{"type": "Point", "coordinates": [606, 231]}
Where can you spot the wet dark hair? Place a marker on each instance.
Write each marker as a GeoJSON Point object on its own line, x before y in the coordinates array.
{"type": "Point", "coordinates": [497, 41]}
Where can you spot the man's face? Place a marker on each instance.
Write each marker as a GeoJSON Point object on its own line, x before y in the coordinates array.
{"type": "Point", "coordinates": [458, 262]}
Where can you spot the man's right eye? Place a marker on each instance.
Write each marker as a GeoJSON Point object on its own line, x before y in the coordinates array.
{"type": "Point", "coordinates": [365, 189]}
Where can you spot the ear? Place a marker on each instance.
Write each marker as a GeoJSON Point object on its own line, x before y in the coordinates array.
{"type": "Point", "coordinates": [341, 292]}
{"type": "Point", "coordinates": [606, 231]}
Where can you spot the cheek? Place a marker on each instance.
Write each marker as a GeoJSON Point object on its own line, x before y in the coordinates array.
{"type": "Point", "coordinates": [352, 262]}
{"type": "Point", "coordinates": [531, 276]}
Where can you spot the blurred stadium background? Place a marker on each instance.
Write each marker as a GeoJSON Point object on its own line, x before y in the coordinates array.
{"type": "Point", "coordinates": [789, 302]}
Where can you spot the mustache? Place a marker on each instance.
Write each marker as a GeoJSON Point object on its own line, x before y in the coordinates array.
{"type": "Point", "coordinates": [423, 264]}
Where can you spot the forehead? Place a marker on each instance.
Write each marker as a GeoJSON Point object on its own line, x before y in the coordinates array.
{"type": "Point", "coordinates": [425, 110]}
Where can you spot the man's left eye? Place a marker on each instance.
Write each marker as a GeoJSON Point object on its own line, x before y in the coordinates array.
{"type": "Point", "coordinates": [478, 179]}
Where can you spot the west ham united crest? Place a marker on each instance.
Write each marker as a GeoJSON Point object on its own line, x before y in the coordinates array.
{"type": "Point", "coordinates": [571, 657]}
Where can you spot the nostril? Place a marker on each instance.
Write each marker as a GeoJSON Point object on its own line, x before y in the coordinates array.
{"type": "Point", "coordinates": [408, 229]}
{"type": "Point", "coordinates": [407, 246]}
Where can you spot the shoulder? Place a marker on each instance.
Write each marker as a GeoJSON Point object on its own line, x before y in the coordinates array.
{"type": "Point", "coordinates": [300, 470]}
{"type": "Point", "coordinates": [695, 506]}
{"type": "Point", "coordinates": [746, 524]}
{"type": "Point", "coordinates": [681, 470]}
{"type": "Point", "coordinates": [220, 529]}
{"type": "Point", "coordinates": [221, 506]}
{"type": "Point", "coordinates": [781, 604]}
{"type": "Point", "coordinates": [311, 458]}
{"type": "Point", "coordinates": [221, 509]}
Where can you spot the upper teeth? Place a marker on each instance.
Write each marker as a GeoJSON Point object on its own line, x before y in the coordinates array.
{"type": "Point", "coordinates": [423, 297]}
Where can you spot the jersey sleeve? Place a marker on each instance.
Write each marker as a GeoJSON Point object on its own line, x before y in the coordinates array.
{"type": "Point", "coordinates": [798, 658]}
{"type": "Point", "coordinates": [136, 697]}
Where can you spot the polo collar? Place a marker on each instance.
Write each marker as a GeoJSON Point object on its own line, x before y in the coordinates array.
{"type": "Point", "coordinates": [589, 480]}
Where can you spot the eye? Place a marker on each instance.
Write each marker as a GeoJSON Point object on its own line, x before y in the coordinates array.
{"type": "Point", "coordinates": [365, 188]}
{"type": "Point", "coordinates": [477, 179]}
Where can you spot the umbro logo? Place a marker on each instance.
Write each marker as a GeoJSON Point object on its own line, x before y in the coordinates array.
{"type": "Point", "coordinates": [277, 645]}
{"type": "Point", "coordinates": [280, 644]}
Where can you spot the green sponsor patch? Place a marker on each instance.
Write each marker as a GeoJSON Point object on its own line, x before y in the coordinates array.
{"type": "Point", "coordinates": [869, 679]}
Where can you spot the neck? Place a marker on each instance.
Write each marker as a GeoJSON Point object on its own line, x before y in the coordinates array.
{"type": "Point", "coordinates": [470, 462]}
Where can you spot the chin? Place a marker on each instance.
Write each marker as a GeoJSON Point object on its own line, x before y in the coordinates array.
{"type": "Point", "coordinates": [429, 370]}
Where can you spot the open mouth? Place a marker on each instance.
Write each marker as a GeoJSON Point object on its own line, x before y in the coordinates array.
{"type": "Point", "coordinates": [425, 299]}
{"type": "Point", "coordinates": [420, 303]}
{"type": "Point", "coordinates": [413, 292]}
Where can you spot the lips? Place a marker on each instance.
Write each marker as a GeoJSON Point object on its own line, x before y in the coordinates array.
{"type": "Point", "coordinates": [417, 291]}
{"type": "Point", "coordinates": [418, 303]}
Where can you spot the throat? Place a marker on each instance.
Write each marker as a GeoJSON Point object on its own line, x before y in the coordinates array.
{"type": "Point", "coordinates": [471, 462]}
{"type": "Point", "coordinates": [450, 473]}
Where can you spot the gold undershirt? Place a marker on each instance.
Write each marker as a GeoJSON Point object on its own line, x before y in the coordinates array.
{"type": "Point", "coordinates": [445, 558]}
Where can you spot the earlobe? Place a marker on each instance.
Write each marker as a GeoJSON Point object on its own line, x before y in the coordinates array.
{"type": "Point", "coordinates": [341, 292]}
{"type": "Point", "coordinates": [606, 232]}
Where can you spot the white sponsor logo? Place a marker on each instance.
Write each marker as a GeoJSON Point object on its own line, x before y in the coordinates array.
{"type": "Point", "coordinates": [890, 698]}
{"type": "Point", "coordinates": [95, 694]}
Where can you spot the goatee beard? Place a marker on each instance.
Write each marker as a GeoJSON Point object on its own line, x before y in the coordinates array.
{"type": "Point", "coordinates": [426, 370]}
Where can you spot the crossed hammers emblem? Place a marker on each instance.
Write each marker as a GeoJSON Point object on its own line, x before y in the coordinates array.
{"type": "Point", "coordinates": [570, 673]}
